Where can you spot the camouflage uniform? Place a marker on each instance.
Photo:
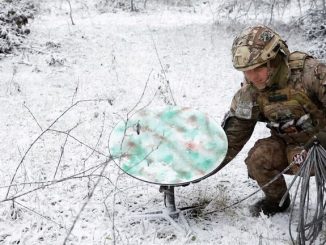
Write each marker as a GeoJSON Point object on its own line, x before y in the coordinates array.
{"type": "Point", "coordinates": [293, 106]}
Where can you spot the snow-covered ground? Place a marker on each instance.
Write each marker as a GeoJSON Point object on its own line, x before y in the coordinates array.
{"type": "Point", "coordinates": [104, 62]}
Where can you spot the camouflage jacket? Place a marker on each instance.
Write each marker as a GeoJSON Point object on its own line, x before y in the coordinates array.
{"type": "Point", "coordinates": [294, 109]}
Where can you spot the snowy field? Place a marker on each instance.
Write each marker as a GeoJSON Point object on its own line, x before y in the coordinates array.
{"type": "Point", "coordinates": [62, 94]}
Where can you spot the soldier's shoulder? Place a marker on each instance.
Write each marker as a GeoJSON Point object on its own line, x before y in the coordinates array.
{"type": "Point", "coordinates": [305, 64]}
{"type": "Point", "coordinates": [298, 60]}
{"type": "Point", "coordinates": [312, 72]}
{"type": "Point", "coordinates": [247, 92]}
{"type": "Point", "coordinates": [246, 88]}
{"type": "Point", "coordinates": [244, 103]}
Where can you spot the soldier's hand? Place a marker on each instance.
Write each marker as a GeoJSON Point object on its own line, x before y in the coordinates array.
{"type": "Point", "coordinates": [319, 138]}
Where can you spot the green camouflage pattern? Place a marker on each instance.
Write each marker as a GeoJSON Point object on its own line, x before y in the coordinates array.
{"type": "Point", "coordinates": [168, 146]}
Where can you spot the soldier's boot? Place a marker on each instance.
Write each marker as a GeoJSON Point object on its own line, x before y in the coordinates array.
{"type": "Point", "coordinates": [269, 207]}
{"type": "Point", "coordinates": [265, 161]}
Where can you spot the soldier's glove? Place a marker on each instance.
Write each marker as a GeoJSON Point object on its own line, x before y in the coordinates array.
{"type": "Point", "coordinates": [319, 138]}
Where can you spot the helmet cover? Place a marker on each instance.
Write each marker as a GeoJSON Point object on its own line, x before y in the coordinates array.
{"type": "Point", "coordinates": [255, 46]}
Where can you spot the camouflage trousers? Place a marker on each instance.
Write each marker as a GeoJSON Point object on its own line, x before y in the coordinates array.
{"type": "Point", "coordinates": [268, 158]}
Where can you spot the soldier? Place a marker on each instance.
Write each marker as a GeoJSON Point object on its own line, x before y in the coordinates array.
{"type": "Point", "coordinates": [285, 90]}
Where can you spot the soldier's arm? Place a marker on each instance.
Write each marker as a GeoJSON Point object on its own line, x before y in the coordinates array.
{"type": "Point", "coordinates": [238, 132]}
{"type": "Point", "coordinates": [314, 78]}
{"type": "Point", "coordinates": [238, 124]}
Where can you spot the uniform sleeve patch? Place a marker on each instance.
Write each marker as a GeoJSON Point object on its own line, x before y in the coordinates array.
{"type": "Point", "coordinates": [244, 110]}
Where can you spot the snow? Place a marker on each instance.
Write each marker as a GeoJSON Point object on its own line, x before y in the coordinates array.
{"type": "Point", "coordinates": [108, 59]}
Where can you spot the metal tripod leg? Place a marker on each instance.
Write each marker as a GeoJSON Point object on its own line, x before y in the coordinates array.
{"type": "Point", "coordinates": [169, 200]}
{"type": "Point", "coordinates": [171, 213]}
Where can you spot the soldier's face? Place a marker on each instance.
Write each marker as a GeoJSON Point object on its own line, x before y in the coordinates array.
{"type": "Point", "coordinates": [258, 76]}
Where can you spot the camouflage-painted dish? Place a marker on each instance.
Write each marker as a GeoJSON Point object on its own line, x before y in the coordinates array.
{"type": "Point", "coordinates": [168, 146]}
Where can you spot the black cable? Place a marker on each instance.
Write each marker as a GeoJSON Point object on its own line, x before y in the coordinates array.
{"type": "Point", "coordinates": [311, 219]}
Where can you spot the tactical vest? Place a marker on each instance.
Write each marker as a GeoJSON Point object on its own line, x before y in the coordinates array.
{"type": "Point", "coordinates": [289, 112]}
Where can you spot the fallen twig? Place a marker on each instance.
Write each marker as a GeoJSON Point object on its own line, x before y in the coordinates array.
{"type": "Point", "coordinates": [63, 149]}
{"type": "Point", "coordinates": [84, 205]}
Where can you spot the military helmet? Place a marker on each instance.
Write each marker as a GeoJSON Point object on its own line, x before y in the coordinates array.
{"type": "Point", "coordinates": [255, 46]}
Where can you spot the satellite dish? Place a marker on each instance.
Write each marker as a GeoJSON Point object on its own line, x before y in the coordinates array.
{"type": "Point", "coordinates": [168, 146]}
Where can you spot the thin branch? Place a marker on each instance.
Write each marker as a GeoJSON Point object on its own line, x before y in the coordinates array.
{"type": "Point", "coordinates": [113, 206]}
{"type": "Point", "coordinates": [163, 70]}
{"type": "Point", "coordinates": [300, 8]}
{"type": "Point", "coordinates": [14, 72]}
{"type": "Point", "coordinates": [145, 3]}
{"type": "Point", "coordinates": [272, 12]}
{"type": "Point", "coordinates": [61, 155]}
{"type": "Point", "coordinates": [142, 95]}
{"type": "Point", "coordinates": [38, 137]}
{"type": "Point", "coordinates": [49, 183]}
{"type": "Point", "coordinates": [75, 92]}
{"type": "Point", "coordinates": [127, 120]}
{"type": "Point", "coordinates": [84, 205]}
{"type": "Point", "coordinates": [63, 149]}
{"type": "Point", "coordinates": [60, 180]}
{"type": "Point", "coordinates": [132, 7]}
{"type": "Point", "coordinates": [33, 116]}
{"type": "Point", "coordinates": [79, 141]}
{"type": "Point", "coordinates": [98, 141]}
{"type": "Point", "coordinates": [70, 13]}
{"type": "Point", "coordinates": [148, 104]}
{"type": "Point", "coordinates": [44, 217]}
